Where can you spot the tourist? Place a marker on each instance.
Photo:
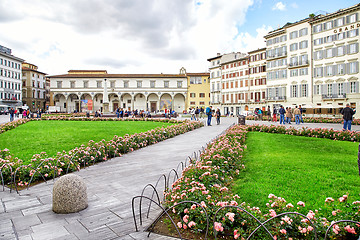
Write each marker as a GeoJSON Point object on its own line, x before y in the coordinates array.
{"type": "Point", "coordinates": [260, 114]}
{"type": "Point", "coordinates": [202, 114]}
{"type": "Point", "coordinates": [347, 116]}
{"type": "Point", "coordinates": [218, 115]}
{"type": "Point", "coordinates": [282, 115]}
{"type": "Point", "coordinates": [297, 114]}
{"type": "Point", "coordinates": [209, 115]}
{"type": "Point", "coordinates": [197, 112]}
{"type": "Point", "coordinates": [301, 112]}
{"type": "Point", "coordinates": [11, 112]}
{"type": "Point", "coordinates": [268, 114]}
{"type": "Point", "coordinates": [274, 115]}
{"type": "Point", "coordinates": [288, 115]}
{"type": "Point", "coordinates": [192, 113]}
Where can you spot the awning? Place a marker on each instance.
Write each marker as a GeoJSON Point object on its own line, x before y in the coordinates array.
{"type": "Point", "coordinates": [327, 106]}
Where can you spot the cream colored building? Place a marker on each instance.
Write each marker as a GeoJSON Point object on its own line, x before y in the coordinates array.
{"type": "Point", "coordinates": [82, 91]}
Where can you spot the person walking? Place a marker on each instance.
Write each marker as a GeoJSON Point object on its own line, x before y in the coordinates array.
{"type": "Point", "coordinates": [282, 115]}
{"type": "Point", "coordinates": [274, 115]}
{"type": "Point", "coordinates": [218, 115]}
{"type": "Point", "coordinates": [288, 115]}
{"type": "Point", "coordinates": [209, 115]}
{"type": "Point", "coordinates": [301, 112]}
{"type": "Point", "coordinates": [12, 113]}
{"type": "Point", "coordinates": [347, 113]}
{"type": "Point", "coordinates": [268, 113]}
{"type": "Point", "coordinates": [297, 114]}
{"type": "Point", "coordinates": [192, 113]}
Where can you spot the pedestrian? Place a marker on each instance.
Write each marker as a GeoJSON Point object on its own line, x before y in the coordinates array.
{"type": "Point", "coordinates": [274, 115]}
{"type": "Point", "coordinates": [197, 112]}
{"type": "Point", "coordinates": [209, 115]}
{"type": "Point", "coordinates": [282, 114]}
{"type": "Point", "coordinates": [12, 113]}
{"type": "Point", "coordinates": [24, 114]}
{"type": "Point", "coordinates": [218, 115]}
{"type": "Point", "coordinates": [301, 112]}
{"type": "Point", "coordinates": [297, 114]}
{"type": "Point", "coordinates": [268, 113]}
{"type": "Point", "coordinates": [260, 114]}
{"type": "Point", "coordinates": [288, 115]}
{"type": "Point", "coordinates": [192, 113]}
{"type": "Point", "coordinates": [202, 114]}
{"type": "Point", "coordinates": [347, 113]}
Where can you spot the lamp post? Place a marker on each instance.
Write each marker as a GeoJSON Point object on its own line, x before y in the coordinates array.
{"type": "Point", "coordinates": [105, 98]}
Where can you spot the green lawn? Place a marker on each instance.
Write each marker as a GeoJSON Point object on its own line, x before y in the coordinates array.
{"type": "Point", "coordinates": [54, 136]}
{"type": "Point", "coordinates": [297, 169]}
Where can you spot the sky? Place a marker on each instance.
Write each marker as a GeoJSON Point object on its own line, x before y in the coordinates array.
{"type": "Point", "coordinates": [143, 36]}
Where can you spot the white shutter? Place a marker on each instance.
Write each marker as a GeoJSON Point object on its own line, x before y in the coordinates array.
{"type": "Point", "coordinates": [356, 87]}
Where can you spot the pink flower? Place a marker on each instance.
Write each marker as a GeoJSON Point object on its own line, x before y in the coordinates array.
{"type": "Point", "coordinates": [310, 228]}
{"type": "Point", "coordinates": [203, 204]}
{"type": "Point", "coordinates": [350, 229]}
{"type": "Point", "coordinates": [186, 210]}
{"type": "Point", "coordinates": [191, 224]}
{"type": "Point", "coordinates": [336, 229]}
{"type": "Point", "coordinates": [329, 199]}
{"type": "Point", "coordinates": [236, 235]}
{"type": "Point", "coordinates": [186, 218]}
{"type": "Point", "coordinates": [179, 224]}
{"type": "Point", "coordinates": [333, 213]}
{"type": "Point", "coordinates": [283, 231]}
{"type": "Point", "coordinates": [300, 203]}
{"type": "Point", "coordinates": [218, 227]}
{"type": "Point", "coordinates": [289, 205]}
{"type": "Point", "coordinates": [272, 213]}
{"type": "Point", "coordinates": [230, 216]}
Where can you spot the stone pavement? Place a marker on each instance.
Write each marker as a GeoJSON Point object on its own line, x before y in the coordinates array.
{"type": "Point", "coordinates": [111, 187]}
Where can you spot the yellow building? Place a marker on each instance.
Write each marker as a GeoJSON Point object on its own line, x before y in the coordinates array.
{"type": "Point", "coordinates": [198, 92]}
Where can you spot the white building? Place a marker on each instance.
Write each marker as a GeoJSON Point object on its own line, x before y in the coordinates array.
{"type": "Point", "coordinates": [82, 91]}
{"type": "Point", "coordinates": [10, 78]}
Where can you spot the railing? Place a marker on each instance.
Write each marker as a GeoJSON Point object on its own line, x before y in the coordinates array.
{"type": "Point", "coordinates": [332, 96]}
{"type": "Point", "coordinates": [279, 55]}
{"type": "Point", "coordinates": [278, 98]}
{"type": "Point", "coordinates": [298, 64]}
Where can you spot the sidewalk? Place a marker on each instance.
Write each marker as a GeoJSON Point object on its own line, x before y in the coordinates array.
{"type": "Point", "coordinates": [111, 187]}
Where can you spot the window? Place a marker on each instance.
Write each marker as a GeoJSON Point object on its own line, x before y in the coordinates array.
{"type": "Point", "coordinates": [328, 25]}
{"type": "Point", "coordinates": [303, 44]}
{"type": "Point", "coordinates": [329, 53]}
{"type": "Point", "coordinates": [294, 91]}
{"type": "Point", "coordinates": [59, 84]}
{"type": "Point", "coordinates": [192, 103]}
{"type": "Point", "coordinates": [293, 47]}
{"type": "Point", "coordinates": [179, 84]}
{"type": "Point", "coordinates": [166, 84]}
{"type": "Point", "coordinates": [316, 89]}
{"type": "Point", "coordinates": [341, 69]}
{"type": "Point", "coordinates": [201, 103]}
{"type": "Point", "coordinates": [98, 84]}
{"type": "Point", "coordinates": [317, 28]}
{"type": "Point", "coordinates": [304, 90]}
{"type": "Point", "coordinates": [303, 71]}
{"type": "Point", "coordinates": [318, 55]}
{"type": "Point", "coordinates": [353, 87]}
{"type": "Point", "coordinates": [318, 72]}
{"type": "Point", "coordinates": [126, 84]}
{"type": "Point", "coordinates": [72, 84]}
{"type": "Point", "coordinates": [152, 84]}
{"type": "Point", "coordinates": [303, 32]}
{"type": "Point", "coordinates": [192, 95]}
{"type": "Point", "coordinates": [329, 70]}
{"type": "Point", "coordinates": [329, 89]}
{"type": "Point", "coordinates": [353, 48]}
{"type": "Point", "coordinates": [341, 51]}
{"type": "Point", "coordinates": [112, 84]}
{"type": "Point", "coordinates": [293, 34]}
{"type": "Point", "coordinates": [139, 84]}
{"type": "Point", "coordinates": [353, 33]}
{"type": "Point", "coordinates": [340, 88]}
{"type": "Point", "coordinates": [294, 73]}
{"type": "Point", "coordinates": [353, 67]}
{"type": "Point", "coordinates": [339, 22]}
{"type": "Point", "coordinates": [202, 95]}
{"type": "Point", "coordinates": [352, 18]}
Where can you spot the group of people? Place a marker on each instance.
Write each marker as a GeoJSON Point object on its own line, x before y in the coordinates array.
{"type": "Point", "coordinates": [196, 113]}
{"type": "Point", "coordinates": [210, 113]}
{"type": "Point", "coordinates": [287, 114]}
{"type": "Point", "coordinates": [25, 113]}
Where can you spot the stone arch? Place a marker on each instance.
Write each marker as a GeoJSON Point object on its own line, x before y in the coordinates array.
{"type": "Point", "coordinates": [127, 101]}
{"type": "Point", "coordinates": [97, 102]}
{"type": "Point", "coordinates": [60, 101]}
{"type": "Point", "coordinates": [86, 102]}
{"type": "Point", "coordinates": [165, 101]}
{"type": "Point", "coordinates": [114, 102]}
{"type": "Point", "coordinates": [73, 103]}
{"type": "Point", "coordinates": [179, 103]}
{"type": "Point", "coordinates": [153, 102]}
{"type": "Point", "coordinates": [139, 101]}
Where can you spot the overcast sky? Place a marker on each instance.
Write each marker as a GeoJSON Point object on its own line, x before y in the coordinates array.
{"type": "Point", "coordinates": [143, 36]}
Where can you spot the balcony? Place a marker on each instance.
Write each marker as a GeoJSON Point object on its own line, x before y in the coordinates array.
{"type": "Point", "coordinates": [298, 64]}
{"type": "Point", "coordinates": [278, 98]}
{"type": "Point", "coordinates": [215, 90]}
{"type": "Point", "coordinates": [334, 96]}
{"type": "Point", "coordinates": [278, 55]}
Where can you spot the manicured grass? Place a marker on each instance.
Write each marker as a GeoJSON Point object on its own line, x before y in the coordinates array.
{"type": "Point", "coordinates": [55, 136]}
{"type": "Point", "coordinates": [297, 169]}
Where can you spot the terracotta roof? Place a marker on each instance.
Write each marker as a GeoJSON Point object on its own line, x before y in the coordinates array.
{"type": "Point", "coordinates": [32, 70]}
{"type": "Point", "coordinates": [198, 74]}
{"type": "Point", "coordinates": [73, 75]}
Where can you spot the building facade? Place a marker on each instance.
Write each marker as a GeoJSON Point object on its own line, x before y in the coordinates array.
{"type": "Point", "coordinates": [198, 93]}
{"type": "Point", "coordinates": [10, 78]}
{"type": "Point", "coordinates": [313, 62]}
{"type": "Point", "coordinates": [82, 91]}
{"type": "Point", "coordinates": [33, 87]}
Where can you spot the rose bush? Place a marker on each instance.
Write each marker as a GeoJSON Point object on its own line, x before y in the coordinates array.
{"type": "Point", "coordinates": [208, 182]}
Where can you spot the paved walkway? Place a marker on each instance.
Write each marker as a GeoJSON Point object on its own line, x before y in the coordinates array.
{"type": "Point", "coordinates": [111, 186]}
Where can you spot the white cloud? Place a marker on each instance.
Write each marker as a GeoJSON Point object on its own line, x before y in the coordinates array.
{"type": "Point", "coordinates": [294, 5]}
{"type": "Point", "coordinates": [124, 36]}
{"type": "Point", "coordinates": [279, 6]}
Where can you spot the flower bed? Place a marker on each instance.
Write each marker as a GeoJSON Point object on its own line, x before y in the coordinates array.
{"type": "Point", "coordinates": [312, 120]}
{"type": "Point", "coordinates": [43, 167]}
{"type": "Point", "coordinates": [208, 182]}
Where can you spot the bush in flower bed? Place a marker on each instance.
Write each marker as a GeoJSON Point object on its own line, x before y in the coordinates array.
{"type": "Point", "coordinates": [11, 125]}
{"type": "Point", "coordinates": [312, 120]}
{"type": "Point", "coordinates": [44, 167]}
{"type": "Point", "coordinates": [208, 182]}
{"type": "Point", "coordinates": [308, 132]}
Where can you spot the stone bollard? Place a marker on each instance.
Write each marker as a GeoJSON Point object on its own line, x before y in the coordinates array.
{"type": "Point", "coordinates": [69, 194]}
